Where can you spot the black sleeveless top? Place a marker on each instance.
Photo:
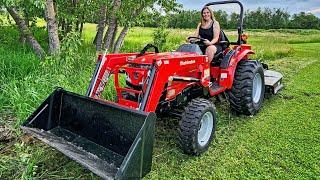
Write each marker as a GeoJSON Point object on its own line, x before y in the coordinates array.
{"type": "Point", "coordinates": [207, 33]}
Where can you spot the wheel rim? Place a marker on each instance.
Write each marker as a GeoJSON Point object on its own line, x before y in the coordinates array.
{"type": "Point", "coordinates": [206, 126]}
{"type": "Point", "coordinates": [257, 88]}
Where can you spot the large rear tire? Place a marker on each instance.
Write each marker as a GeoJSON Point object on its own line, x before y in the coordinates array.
{"type": "Point", "coordinates": [197, 126]}
{"type": "Point", "coordinates": [247, 93]}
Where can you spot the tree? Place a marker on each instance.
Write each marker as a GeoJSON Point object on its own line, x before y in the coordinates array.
{"type": "Point", "coordinates": [127, 13]}
{"type": "Point", "coordinates": [133, 15]}
{"type": "Point", "coordinates": [113, 26]}
{"type": "Point", "coordinates": [54, 43]}
{"type": "Point", "coordinates": [24, 30]}
{"type": "Point", "coordinates": [184, 19]}
{"type": "Point", "coordinates": [101, 27]}
{"type": "Point", "coordinates": [222, 17]}
{"type": "Point", "coordinates": [16, 9]}
{"type": "Point", "coordinates": [234, 20]}
{"type": "Point", "coordinates": [74, 13]}
{"type": "Point", "coordinates": [305, 21]}
{"type": "Point", "coordinates": [280, 19]}
{"type": "Point", "coordinates": [161, 33]}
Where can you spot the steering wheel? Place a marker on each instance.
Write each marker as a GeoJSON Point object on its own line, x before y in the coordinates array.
{"type": "Point", "coordinates": [144, 50]}
{"type": "Point", "coordinates": [196, 40]}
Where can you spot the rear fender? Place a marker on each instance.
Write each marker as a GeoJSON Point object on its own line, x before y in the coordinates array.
{"type": "Point", "coordinates": [227, 75]}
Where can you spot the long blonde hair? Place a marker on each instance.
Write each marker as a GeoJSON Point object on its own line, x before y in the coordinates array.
{"type": "Point", "coordinates": [211, 12]}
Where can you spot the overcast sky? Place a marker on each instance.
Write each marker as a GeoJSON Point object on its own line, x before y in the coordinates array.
{"type": "Point", "coordinates": [292, 6]}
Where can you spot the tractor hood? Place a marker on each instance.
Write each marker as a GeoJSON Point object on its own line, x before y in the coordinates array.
{"type": "Point", "coordinates": [149, 58]}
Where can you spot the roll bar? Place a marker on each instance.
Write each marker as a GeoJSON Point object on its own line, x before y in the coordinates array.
{"type": "Point", "coordinates": [240, 26]}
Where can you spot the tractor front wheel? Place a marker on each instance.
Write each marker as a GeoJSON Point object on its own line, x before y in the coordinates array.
{"type": "Point", "coordinates": [247, 93]}
{"type": "Point", "coordinates": [197, 126]}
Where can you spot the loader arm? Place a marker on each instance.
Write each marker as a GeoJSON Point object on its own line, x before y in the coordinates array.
{"type": "Point", "coordinates": [156, 77]}
{"type": "Point", "coordinates": [104, 67]}
{"type": "Point", "coordinates": [192, 68]}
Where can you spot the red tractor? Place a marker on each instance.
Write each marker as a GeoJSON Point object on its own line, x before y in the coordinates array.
{"type": "Point", "coordinates": [115, 139]}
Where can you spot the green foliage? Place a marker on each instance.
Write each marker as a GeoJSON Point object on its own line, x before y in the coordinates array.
{"type": "Point", "coordinates": [233, 23]}
{"type": "Point", "coordinates": [267, 19]}
{"type": "Point", "coordinates": [78, 11]}
{"type": "Point", "coordinates": [305, 21]}
{"type": "Point", "coordinates": [27, 81]}
{"type": "Point", "coordinates": [134, 13]}
{"type": "Point", "coordinates": [184, 19]}
{"type": "Point", "coordinates": [30, 9]}
{"type": "Point", "coordinates": [9, 2]}
{"type": "Point", "coordinates": [5, 20]}
{"type": "Point", "coordinates": [161, 33]}
{"type": "Point", "coordinates": [70, 48]}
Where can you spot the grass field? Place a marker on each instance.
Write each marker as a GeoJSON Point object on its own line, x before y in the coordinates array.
{"type": "Point", "coordinates": [281, 142]}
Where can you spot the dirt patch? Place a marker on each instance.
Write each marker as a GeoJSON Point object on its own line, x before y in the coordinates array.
{"type": "Point", "coordinates": [311, 94]}
{"type": "Point", "coordinates": [6, 134]}
{"type": "Point", "coordinates": [287, 97]}
{"type": "Point", "coordinates": [6, 139]}
{"type": "Point", "coordinates": [28, 139]}
{"type": "Point", "coordinates": [7, 118]}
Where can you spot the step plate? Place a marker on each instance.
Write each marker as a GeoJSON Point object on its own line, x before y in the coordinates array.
{"type": "Point", "coordinates": [215, 89]}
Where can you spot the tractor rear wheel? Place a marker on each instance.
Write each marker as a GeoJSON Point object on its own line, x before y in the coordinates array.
{"type": "Point", "coordinates": [247, 93]}
{"type": "Point", "coordinates": [197, 126]}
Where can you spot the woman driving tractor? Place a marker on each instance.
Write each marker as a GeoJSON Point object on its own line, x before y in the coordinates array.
{"type": "Point", "coordinates": [209, 29]}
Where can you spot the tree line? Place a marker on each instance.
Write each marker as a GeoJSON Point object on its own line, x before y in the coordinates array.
{"type": "Point", "coordinates": [253, 19]}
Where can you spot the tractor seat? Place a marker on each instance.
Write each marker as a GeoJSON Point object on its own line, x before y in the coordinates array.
{"type": "Point", "coordinates": [224, 43]}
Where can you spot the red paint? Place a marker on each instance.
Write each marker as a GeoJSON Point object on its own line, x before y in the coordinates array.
{"type": "Point", "coordinates": [180, 64]}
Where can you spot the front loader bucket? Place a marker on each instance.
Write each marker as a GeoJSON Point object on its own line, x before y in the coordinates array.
{"type": "Point", "coordinates": [111, 141]}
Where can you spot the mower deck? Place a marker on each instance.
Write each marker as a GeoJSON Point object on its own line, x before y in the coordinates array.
{"type": "Point", "coordinates": [273, 81]}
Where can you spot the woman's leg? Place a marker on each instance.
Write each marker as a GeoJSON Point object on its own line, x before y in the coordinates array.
{"type": "Point", "coordinates": [210, 51]}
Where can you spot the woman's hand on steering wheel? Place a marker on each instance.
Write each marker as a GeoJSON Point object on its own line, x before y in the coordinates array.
{"type": "Point", "coordinates": [194, 39]}
{"type": "Point", "coordinates": [207, 42]}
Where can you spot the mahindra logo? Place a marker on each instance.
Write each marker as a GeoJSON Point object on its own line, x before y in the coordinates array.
{"type": "Point", "coordinates": [182, 63]}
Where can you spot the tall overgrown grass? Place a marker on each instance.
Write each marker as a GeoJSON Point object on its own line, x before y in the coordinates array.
{"type": "Point", "coordinates": [26, 81]}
